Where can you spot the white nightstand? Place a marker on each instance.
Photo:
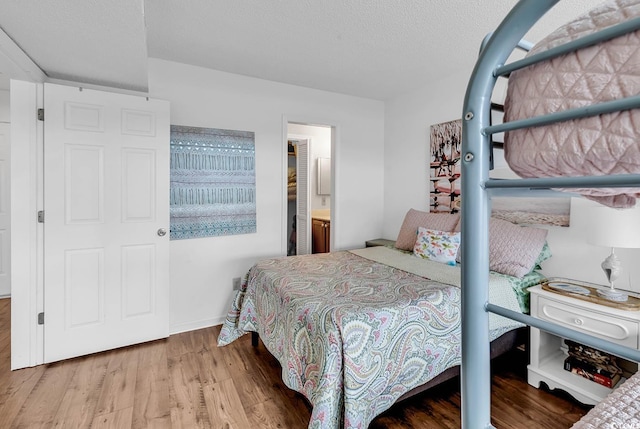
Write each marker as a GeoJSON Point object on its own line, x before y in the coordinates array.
{"type": "Point", "coordinates": [548, 351]}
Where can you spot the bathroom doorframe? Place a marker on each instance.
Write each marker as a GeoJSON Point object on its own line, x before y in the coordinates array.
{"type": "Point", "coordinates": [333, 198]}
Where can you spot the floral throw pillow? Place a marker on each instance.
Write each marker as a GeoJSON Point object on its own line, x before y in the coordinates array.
{"type": "Point", "coordinates": [438, 246]}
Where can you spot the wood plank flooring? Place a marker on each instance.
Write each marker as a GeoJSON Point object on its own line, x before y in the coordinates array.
{"type": "Point", "coordinates": [186, 381]}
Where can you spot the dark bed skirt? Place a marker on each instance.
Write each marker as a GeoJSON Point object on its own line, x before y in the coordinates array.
{"type": "Point", "coordinates": [506, 342]}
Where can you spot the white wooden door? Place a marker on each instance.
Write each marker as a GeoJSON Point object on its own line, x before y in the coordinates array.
{"type": "Point", "coordinates": [106, 202]}
{"type": "Point", "coordinates": [5, 211]}
{"type": "Point", "coordinates": [303, 222]}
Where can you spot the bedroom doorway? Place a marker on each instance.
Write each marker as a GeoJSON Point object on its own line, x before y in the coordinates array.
{"type": "Point", "coordinates": [308, 188]}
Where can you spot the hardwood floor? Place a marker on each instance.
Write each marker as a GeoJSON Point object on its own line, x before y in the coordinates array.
{"type": "Point", "coordinates": [186, 381]}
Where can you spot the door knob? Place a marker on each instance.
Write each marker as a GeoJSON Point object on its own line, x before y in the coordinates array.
{"type": "Point", "coordinates": [162, 232]}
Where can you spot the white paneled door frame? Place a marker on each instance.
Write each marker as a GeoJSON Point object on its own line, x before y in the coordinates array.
{"type": "Point", "coordinates": [101, 275]}
{"type": "Point", "coordinates": [26, 232]}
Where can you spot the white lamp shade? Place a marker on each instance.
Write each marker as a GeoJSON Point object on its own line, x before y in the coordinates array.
{"type": "Point", "coordinates": [614, 227]}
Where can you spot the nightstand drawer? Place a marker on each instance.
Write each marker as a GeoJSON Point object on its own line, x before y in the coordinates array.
{"type": "Point", "coordinates": [618, 330]}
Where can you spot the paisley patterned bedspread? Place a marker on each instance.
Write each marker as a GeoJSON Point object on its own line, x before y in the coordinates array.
{"type": "Point", "coordinates": [354, 333]}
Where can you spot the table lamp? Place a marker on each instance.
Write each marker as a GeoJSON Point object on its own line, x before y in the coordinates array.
{"type": "Point", "coordinates": [614, 228]}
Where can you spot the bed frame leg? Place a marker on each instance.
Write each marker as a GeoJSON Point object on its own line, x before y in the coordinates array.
{"type": "Point", "coordinates": [254, 339]}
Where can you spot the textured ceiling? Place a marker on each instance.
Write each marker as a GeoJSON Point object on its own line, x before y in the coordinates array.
{"type": "Point", "coordinates": [98, 42]}
{"type": "Point", "coordinates": [369, 48]}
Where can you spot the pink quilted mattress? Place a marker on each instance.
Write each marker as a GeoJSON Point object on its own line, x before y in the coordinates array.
{"type": "Point", "coordinates": [601, 145]}
{"type": "Point", "coordinates": [620, 409]}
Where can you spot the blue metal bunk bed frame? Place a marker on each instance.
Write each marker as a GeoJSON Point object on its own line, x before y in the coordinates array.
{"type": "Point", "coordinates": [478, 189]}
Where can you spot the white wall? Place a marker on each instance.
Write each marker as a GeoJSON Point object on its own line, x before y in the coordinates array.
{"type": "Point", "coordinates": [577, 259]}
{"type": "Point", "coordinates": [407, 121]}
{"type": "Point", "coordinates": [202, 269]}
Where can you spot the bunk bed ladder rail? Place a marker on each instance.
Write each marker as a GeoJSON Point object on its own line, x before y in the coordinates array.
{"type": "Point", "coordinates": [477, 189]}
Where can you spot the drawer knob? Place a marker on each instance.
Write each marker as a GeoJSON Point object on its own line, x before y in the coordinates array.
{"type": "Point", "coordinates": [578, 322]}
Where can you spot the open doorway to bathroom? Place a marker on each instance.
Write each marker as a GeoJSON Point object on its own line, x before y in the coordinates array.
{"type": "Point", "coordinates": [309, 173]}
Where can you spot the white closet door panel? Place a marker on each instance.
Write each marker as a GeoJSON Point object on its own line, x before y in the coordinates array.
{"type": "Point", "coordinates": [84, 287]}
{"type": "Point", "coordinates": [137, 122]}
{"type": "Point", "coordinates": [83, 117]}
{"type": "Point", "coordinates": [303, 229]}
{"type": "Point", "coordinates": [84, 184]}
{"type": "Point", "coordinates": [138, 185]}
{"type": "Point", "coordinates": [138, 268]}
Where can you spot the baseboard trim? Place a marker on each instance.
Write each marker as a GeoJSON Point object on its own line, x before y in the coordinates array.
{"type": "Point", "coordinates": [192, 326]}
{"type": "Point", "coordinates": [5, 296]}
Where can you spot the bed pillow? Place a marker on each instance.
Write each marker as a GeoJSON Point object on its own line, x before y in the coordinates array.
{"type": "Point", "coordinates": [438, 246]}
{"type": "Point", "coordinates": [545, 254]}
{"type": "Point", "coordinates": [513, 249]}
{"type": "Point", "coordinates": [415, 219]}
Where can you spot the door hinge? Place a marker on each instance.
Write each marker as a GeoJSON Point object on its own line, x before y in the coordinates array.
{"type": "Point", "coordinates": [41, 216]}
{"type": "Point", "coordinates": [41, 114]}
{"type": "Point", "coordinates": [41, 318]}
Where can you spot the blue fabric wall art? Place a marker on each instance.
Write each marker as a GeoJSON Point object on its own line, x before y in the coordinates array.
{"type": "Point", "coordinates": [213, 182]}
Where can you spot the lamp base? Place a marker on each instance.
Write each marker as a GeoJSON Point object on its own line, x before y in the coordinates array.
{"type": "Point", "coordinates": [613, 295]}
